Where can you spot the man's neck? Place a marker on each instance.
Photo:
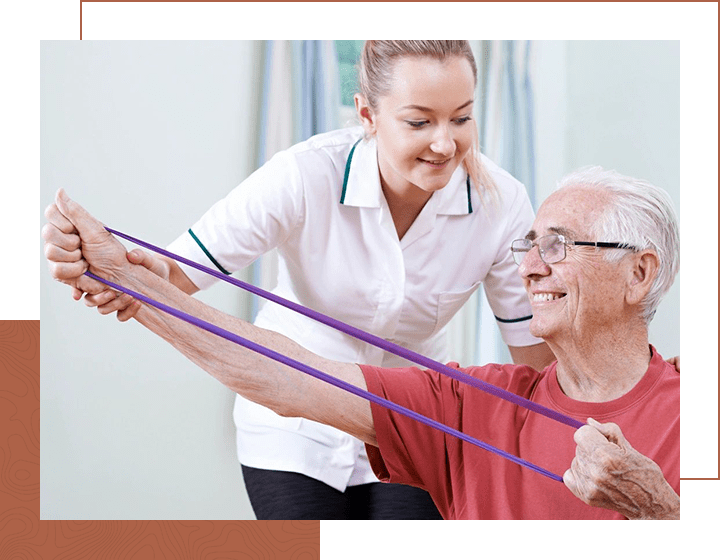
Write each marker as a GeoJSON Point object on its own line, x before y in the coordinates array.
{"type": "Point", "coordinates": [603, 369]}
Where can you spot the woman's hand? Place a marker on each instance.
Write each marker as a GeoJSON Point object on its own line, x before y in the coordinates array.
{"type": "Point", "coordinates": [109, 301]}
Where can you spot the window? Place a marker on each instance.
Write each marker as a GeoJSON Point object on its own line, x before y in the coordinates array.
{"type": "Point", "coordinates": [348, 53]}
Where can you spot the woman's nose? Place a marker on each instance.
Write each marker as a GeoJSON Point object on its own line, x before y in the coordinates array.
{"type": "Point", "coordinates": [443, 142]}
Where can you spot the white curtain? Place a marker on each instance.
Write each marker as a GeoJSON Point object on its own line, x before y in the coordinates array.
{"type": "Point", "coordinates": [504, 112]}
{"type": "Point", "coordinates": [300, 97]}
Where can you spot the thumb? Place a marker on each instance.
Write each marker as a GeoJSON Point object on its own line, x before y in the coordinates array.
{"type": "Point", "coordinates": [138, 256]}
{"type": "Point", "coordinates": [610, 430]}
{"type": "Point", "coordinates": [88, 227]}
{"type": "Point", "coordinates": [154, 264]}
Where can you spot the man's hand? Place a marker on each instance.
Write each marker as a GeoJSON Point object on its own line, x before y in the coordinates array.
{"type": "Point", "coordinates": [607, 472]}
{"type": "Point", "coordinates": [76, 242]}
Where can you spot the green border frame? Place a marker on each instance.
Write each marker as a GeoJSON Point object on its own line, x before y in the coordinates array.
{"type": "Point", "coordinates": [694, 24]}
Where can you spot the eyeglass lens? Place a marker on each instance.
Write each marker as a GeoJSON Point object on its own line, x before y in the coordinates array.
{"type": "Point", "coordinates": [552, 249]}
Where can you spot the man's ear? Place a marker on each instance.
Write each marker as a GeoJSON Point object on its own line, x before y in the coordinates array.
{"type": "Point", "coordinates": [644, 270]}
{"type": "Point", "coordinates": [365, 115]}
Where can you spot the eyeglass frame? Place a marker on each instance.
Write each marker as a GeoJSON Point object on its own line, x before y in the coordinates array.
{"type": "Point", "coordinates": [566, 243]}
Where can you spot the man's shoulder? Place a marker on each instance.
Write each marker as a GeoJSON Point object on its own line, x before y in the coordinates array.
{"type": "Point", "coordinates": [516, 378]}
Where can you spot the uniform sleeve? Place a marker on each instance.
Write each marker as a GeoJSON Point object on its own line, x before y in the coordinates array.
{"type": "Point", "coordinates": [503, 285]}
{"type": "Point", "coordinates": [252, 219]}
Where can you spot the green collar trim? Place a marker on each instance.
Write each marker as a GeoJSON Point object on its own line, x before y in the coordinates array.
{"type": "Point", "coordinates": [347, 172]}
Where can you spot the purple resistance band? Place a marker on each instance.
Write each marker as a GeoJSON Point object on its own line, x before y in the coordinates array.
{"type": "Point", "coordinates": [366, 337]}
{"type": "Point", "coordinates": [323, 376]}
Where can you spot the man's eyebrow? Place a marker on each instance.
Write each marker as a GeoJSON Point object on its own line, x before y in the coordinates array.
{"type": "Point", "coordinates": [532, 234]}
{"type": "Point", "coordinates": [429, 110]}
{"type": "Point", "coordinates": [570, 234]}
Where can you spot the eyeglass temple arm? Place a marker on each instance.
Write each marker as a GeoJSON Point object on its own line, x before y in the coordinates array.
{"type": "Point", "coordinates": [605, 244]}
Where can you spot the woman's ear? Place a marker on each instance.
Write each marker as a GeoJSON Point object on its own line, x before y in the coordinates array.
{"type": "Point", "coordinates": [365, 114]}
{"type": "Point", "coordinates": [644, 270]}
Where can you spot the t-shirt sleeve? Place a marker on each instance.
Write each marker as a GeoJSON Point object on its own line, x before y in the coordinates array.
{"type": "Point", "coordinates": [408, 451]}
{"type": "Point", "coordinates": [503, 285]}
{"type": "Point", "coordinates": [256, 216]}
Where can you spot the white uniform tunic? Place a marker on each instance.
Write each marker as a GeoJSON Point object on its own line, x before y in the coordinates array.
{"type": "Point", "coordinates": [321, 204]}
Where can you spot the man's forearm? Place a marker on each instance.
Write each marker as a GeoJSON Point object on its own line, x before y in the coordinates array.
{"type": "Point", "coordinates": [267, 382]}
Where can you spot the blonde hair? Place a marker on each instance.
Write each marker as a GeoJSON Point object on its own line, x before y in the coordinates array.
{"type": "Point", "coordinates": [375, 74]}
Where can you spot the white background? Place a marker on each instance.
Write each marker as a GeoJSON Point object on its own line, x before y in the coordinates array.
{"type": "Point", "coordinates": [147, 135]}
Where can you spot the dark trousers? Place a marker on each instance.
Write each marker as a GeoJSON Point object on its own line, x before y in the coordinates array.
{"type": "Point", "coordinates": [288, 495]}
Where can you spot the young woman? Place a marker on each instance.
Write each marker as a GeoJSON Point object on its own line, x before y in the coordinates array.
{"type": "Point", "coordinates": [390, 227]}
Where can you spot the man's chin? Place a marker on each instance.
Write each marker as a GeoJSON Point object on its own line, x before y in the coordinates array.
{"type": "Point", "coordinates": [539, 329]}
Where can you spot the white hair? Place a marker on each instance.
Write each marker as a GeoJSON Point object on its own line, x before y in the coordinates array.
{"type": "Point", "coordinates": [641, 215]}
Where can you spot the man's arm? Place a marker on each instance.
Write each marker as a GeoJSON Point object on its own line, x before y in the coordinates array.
{"type": "Point", "coordinates": [607, 472]}
{"type": "Point", "coordinates": [269, 383]}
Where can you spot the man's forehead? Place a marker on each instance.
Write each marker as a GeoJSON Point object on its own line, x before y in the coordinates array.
{"type": "Point", "coordinates": [570, 212]}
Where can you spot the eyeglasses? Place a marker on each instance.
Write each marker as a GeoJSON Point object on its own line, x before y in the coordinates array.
{"type": "Point", "coordinates": [552, 248]}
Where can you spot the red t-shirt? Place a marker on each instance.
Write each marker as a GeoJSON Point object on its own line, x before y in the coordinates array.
{"type": "Point", "coordinates": [467, 482]}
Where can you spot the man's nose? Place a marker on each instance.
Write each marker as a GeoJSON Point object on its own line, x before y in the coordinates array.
{"type": "Point", "coordinates": [532, 264]}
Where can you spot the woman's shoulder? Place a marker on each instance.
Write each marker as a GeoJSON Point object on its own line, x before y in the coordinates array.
{"type": "Point", "coordinates": [336, 141]}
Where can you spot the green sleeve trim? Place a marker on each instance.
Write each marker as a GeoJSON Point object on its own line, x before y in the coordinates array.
{"type": "Point", "coordinates": [209, 256]}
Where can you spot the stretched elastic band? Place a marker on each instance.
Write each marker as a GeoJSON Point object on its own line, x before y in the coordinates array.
{"type": "Point", "coordinates": [219, 331]}
{"type": "Point", "coordinates": [366, 337]}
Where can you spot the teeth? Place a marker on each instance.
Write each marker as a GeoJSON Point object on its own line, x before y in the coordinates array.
{"type": "Point", "coordinates": [546, 297]}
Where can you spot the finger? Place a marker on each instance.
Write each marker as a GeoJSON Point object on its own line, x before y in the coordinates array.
{"type": "Point", "coordinates": [58, 219]}
{"type": "Point", "coordinates": [90, 285]}
{"type": "Point", "coordinates": [102, 298]}
{"type": "Point", "coordinates": [610, 430]}
{"type": "Point", "coordinates": [569, 480]}
{"type": "Point", "coordinates": [588, 435]}
{"type": "Point", "coordinates": [129, 312]}
{"type": "Point", "coordinates": [52, 234]}
{"type": "Point", "coordinates": [151, 262]}
{"type": "Point", "coordinates": [88, 227]}
{"type": "Point", "coordinates": [77, 294]}
{"type": "Point", "coordinates": [58, 254]}
{"type": "Point", "coordinates": [137, 256]}
{"type": "Point", "coordinates": [67, 272]}
{"type": "Point", "coordinates": [116, 304]}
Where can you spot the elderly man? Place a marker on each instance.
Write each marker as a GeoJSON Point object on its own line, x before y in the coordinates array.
{"type": "Point", "coordinates": [602, 252]}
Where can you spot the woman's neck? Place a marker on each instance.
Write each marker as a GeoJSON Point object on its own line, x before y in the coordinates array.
{"type": "Point", "coordinates": [405, 205]}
